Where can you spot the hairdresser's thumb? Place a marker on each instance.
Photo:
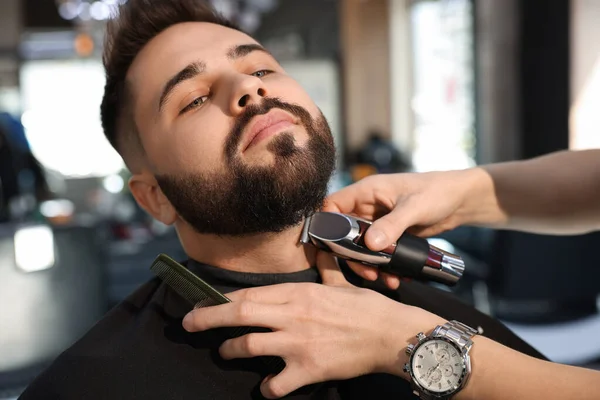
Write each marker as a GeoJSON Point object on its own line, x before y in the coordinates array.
{"type": "Point", "coordinates": [386, 230]}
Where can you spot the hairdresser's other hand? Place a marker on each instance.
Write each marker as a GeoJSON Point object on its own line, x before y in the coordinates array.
{"type": "Point", "coordinates": [425, 204]}
{"type": "Point", "coordinates": [323, 332]}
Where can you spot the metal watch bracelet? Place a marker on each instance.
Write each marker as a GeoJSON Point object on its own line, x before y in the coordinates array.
{"type": "Point", "coordinates": [457, 331]}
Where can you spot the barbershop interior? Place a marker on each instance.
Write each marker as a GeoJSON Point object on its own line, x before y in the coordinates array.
{"type": "Point", "coordinates": [406, 86]}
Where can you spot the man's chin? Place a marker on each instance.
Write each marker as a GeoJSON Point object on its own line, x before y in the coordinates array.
{"type": "Point", "coordinates": [281, 147]}
{"type": "Point", "coordinates": [263, 158]}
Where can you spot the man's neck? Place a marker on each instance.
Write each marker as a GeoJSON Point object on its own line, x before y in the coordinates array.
{"type": "Point", "coordinates": [265, 253]}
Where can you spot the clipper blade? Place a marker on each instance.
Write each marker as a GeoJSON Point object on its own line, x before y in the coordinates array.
{"type": "Point", "coordinates": [304, 237]}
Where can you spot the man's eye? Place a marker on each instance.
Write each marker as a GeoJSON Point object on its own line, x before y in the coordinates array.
{"type": "Point", "coordinates": [197, 102]}
{"type": "Point", "coordinates": [261, 73]}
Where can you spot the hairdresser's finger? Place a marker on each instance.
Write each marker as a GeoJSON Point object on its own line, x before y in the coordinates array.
{"type": "Point", "coordinates": [368, 273]}
{"type": "Point", "coordinates": [282, 384]}
{"type": "Point", "coordinates": [388, 229]}
{"type": "Point", "coordinates": [256, 345]}
{"type": "Point", "coordinates": [244, 313]}
{"type": "Point", "coordinates": [271, 294]}
{"type": "Point", "coordinates": [391, 281]}
{"type": "Point", "coordinates": [371, 274]}
{"type": "Point", "coordinates": [330, 206]}
{"type": "Point", "coordinates": [330, 271]}
{"type": "Point", "coordinates": [344, 201]}
{"type": "Point", "coordinates": [432, 230]}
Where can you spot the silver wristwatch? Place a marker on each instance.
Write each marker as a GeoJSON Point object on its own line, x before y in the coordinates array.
{"type": "Point", "coordinates": [439, 364]}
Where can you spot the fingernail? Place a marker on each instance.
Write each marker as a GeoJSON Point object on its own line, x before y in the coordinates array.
{"type": "Point", "coordinates": [187, 321]}
{"type": "Point", "coordinates": [378, 238]}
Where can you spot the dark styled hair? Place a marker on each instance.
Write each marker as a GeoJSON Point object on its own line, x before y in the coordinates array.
{"type": "Point", "coordinates": [136, 23]}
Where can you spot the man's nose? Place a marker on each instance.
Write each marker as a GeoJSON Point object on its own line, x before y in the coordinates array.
{"type": "Point", "coordinates": [248, 90]}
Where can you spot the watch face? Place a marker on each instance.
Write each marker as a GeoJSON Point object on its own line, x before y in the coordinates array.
{"type": "Point", "coordinates": [438, 366]}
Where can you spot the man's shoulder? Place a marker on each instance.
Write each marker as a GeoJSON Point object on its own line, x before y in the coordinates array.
{"type": "Point", "coordinates": [140, 350]}
{"type": "Point", "coordinates": [98, 352]}
{"type": "Point", "coordinates": [120, 318]}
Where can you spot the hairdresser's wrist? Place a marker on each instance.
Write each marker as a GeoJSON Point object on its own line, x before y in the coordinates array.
{"type": "Point", "coordinates": [480, 205]}
{"type": "Point", "coordinates": [404, 327]}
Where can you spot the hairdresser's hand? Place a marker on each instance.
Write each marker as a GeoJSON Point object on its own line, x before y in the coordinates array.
{"type": "Point", "coordinates": [425, 204]}
{"type": "Point", "coordinates": [323, 332]}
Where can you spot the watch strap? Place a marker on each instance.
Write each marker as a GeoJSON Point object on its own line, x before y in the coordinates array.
{"type": "Point", "coordinates": [458, 332]}
{"type": "Point", "coordinates": [461, 335]}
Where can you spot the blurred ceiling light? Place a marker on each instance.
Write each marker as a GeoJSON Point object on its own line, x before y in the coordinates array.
{"type": "Point", "coordinates": [57, 208]}
{"type": "Point", "coordinates": [113, 184]}
{"type": "Point", "coordinates": [68, 10]}
{"type": "Point", "coordinates": [86, 10]}
{"type": "Point", "coordinates": [245, 12]}
{"type": "Point", "coordinates": [100, 10]}
{"type": "Point", "coordinates": [34, 248]}
{"type": "Point", "coordinates": [83, 11]}
{"type": "Point", "coordinates": [58, 212]}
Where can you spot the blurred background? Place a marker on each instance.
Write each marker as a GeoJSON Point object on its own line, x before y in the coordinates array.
{"type": "Point", "coordinates": [407, 85]}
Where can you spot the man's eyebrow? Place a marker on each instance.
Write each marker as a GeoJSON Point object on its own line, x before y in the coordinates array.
{"type": "Point", "coordinates": [189, 72]}
{"type": "Point", "coordinates": [243, 50]}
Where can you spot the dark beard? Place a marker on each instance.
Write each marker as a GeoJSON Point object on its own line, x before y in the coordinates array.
{"type": "Point", "coordinates": [246, 200]}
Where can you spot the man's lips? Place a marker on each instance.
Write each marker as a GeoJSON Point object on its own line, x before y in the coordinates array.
{"type": "Point", "coordinates": [266, 125]}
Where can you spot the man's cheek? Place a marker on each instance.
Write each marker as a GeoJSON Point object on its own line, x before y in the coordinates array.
{"type": "Point", "coordinates": [291, 91]}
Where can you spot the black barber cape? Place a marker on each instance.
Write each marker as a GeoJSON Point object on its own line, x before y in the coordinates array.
{"type": "Point", "coordinates": [141, 351]}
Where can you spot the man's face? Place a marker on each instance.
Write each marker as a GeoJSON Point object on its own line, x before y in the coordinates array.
{"type": "Point", "coordinates": [235, 144]}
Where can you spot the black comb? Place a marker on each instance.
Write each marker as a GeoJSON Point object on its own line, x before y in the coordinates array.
{"type": "Point", "coordinates": [201, 294]}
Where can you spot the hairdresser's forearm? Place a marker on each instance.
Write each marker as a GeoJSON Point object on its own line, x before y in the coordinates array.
{"type": "Point", "coordinates": [499, 372]}
{"type": "Point", "coordinates": [502, 373]}
{"type": "Point", "coordinates": [553, 194]}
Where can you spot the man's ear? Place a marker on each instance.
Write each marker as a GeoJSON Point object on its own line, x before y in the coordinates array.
{"type": "Point", "coordinates": [147, 193]}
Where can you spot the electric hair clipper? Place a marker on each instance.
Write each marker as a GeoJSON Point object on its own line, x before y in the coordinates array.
{"type": "Point", "coordinates": [409, 257]}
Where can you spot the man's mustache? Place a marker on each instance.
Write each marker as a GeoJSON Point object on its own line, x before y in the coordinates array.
{"type": "Point", "coordinates": [253, 110]}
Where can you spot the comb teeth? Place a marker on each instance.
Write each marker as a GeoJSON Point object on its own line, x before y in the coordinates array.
{"type": "Point", "coordinates": [207, 302]}
{"type": "Point", "coordinates": [201, 294]}
{"type": "Point", "coordinates": [184, 282]}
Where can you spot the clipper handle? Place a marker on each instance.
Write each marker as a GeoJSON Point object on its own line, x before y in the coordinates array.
{"type": "Point", "coordinates": [411, 256]}
{"type": "Point", "coordinates": [414, 257]}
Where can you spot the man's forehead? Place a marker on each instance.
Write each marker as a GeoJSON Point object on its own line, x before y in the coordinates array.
{"type": "Point", "coordinates": [179, 45]}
